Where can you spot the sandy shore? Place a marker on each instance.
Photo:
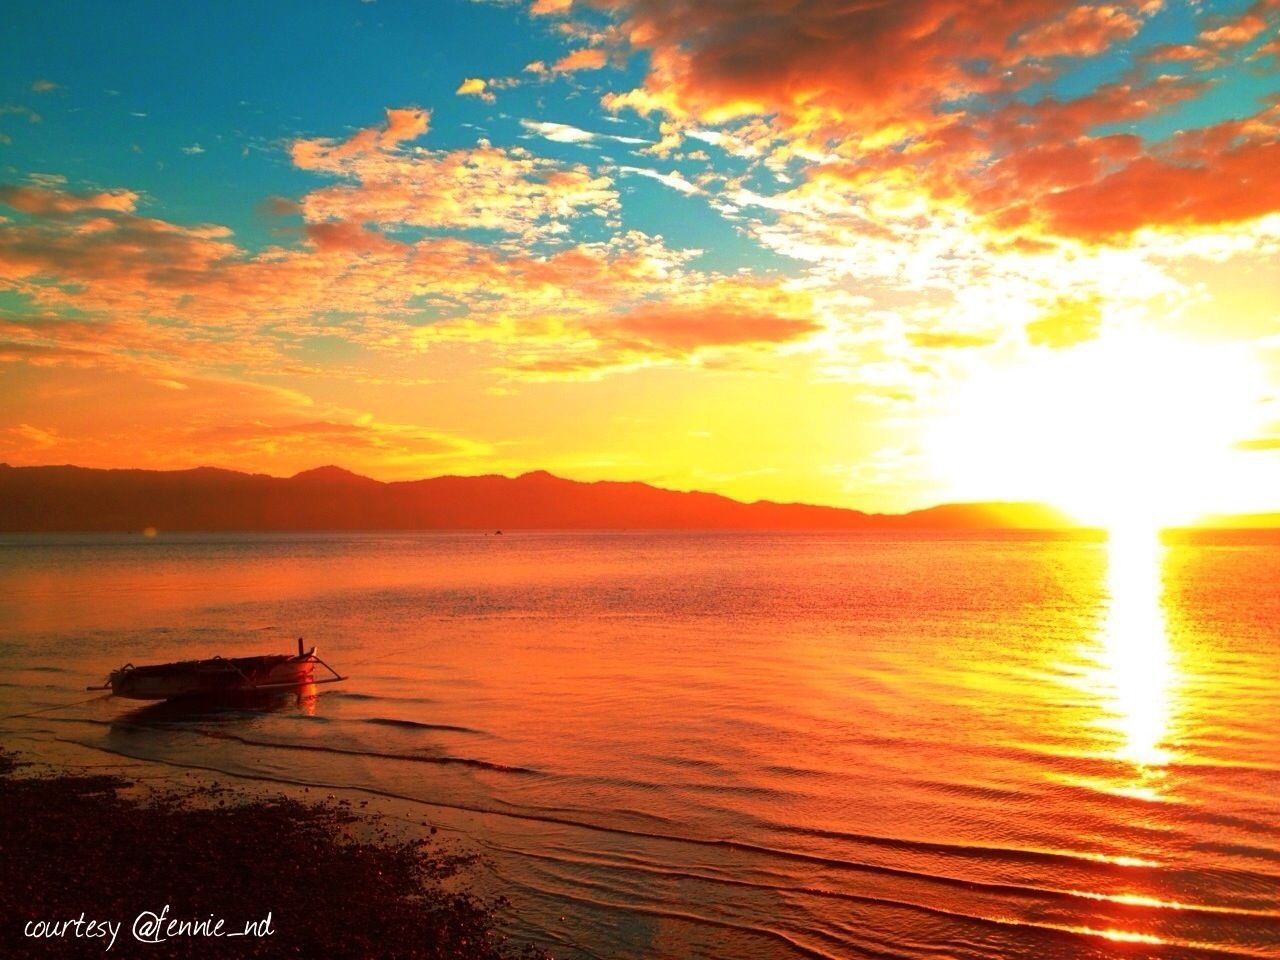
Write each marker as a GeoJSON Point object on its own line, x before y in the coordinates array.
{"type": "Point", "coordinates": [86, 865]}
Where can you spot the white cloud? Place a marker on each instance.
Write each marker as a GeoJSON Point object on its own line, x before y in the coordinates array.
{"type": "Point", "coordinates": [564, 133]}
{"type": "Point", "coordinates": [673, 180]}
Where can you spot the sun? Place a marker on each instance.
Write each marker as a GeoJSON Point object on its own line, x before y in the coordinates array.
{"type": "Point", "coordinates": [1135, 430]}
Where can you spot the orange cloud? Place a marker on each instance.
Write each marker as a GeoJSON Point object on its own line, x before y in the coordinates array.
{"type": "Point", "coordinates": [855, 61]}
{"type": "Point", "coordinates": [1235, 185]}
{"type": "Point", "coordinates": [1225, 38]}
{"type": "Point", "coordinates": [720, 322]}
{"type": "Point", "coordinates": [588, 58]}
{"type": "Point", "coordinates": [1237, 32]}
{"type": "Point", "coordinates": [685, 328]}
{"type": "Point", "coordinates": [1172, 53]}
{"type": "Point", "coordinates": [330, 155]}
{"type": "Point", "coordinates": [33, 437]}
{"type": "Point", "coordinates": [190, 295]}
{"type": "Point", "coordinates": [43, 201]}
{"type": "Point", "coordinates": [475, 87]}
{"type": "Point", "coordinates": [125, 270]}
{"type": "Point", "coordinates": [485, 187]}
{"type": "Point", "coordinates": [1084, 31]}
{"type": "Point", "coordinates": [339, 235]}
{"type": "Point", "coordinates": [109, 247]}
{"type": "Point", "coordinates": [542, 8]}
{"type": "Point", "coordinates": [247, 440]}
{"type": "Point", "coordinates": [871, 90]}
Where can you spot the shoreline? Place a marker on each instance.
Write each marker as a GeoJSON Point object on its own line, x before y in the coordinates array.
{"type": "Point", "coordinates": [89, 867]}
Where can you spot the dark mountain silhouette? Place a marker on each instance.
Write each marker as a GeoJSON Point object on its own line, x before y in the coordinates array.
{"type": "Point", "coordinates": [67, 498]}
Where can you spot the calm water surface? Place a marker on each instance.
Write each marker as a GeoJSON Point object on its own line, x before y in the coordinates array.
{"type": "Point", "coordinates": [732, 745]}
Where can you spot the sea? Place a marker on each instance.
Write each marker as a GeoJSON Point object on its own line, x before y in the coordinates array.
{"type": "Point", "coordinates": [725, 745]}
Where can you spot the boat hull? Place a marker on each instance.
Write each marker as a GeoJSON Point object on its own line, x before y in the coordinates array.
{"type": "Point", "coordinates": [212, 678]}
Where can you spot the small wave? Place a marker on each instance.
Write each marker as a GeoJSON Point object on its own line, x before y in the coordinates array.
{"type": "Point", "coordinates": [767, 933]}
{"type": "Point", "coordinates": [418, 725]}
{"type": "Point", "coordinates": [353, 695]}
{"type": "Point", "coordinates": [447, 760]}
{"type": "Point", "coordinates": [1033, 854]}
{"type": "Point", "coordinates": [373, 754]}
{"type": "Point", "coordinates": [1040, 926]}
{"type": "Point", "coordinates": [1237, 850]}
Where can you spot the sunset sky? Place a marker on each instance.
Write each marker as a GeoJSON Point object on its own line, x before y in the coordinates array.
{"type": "Point", "coordinates": [873, 254]}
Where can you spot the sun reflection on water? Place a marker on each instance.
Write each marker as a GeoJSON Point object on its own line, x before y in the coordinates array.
{"type": "Point", "coordinates": [1135, 657]}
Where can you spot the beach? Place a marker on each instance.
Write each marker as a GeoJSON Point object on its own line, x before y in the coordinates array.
{"type": "Point", "coordinates": [90, 865]}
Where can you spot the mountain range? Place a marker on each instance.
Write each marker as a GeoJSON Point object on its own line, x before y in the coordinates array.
{"type": "Point", "coordinates": [69, 498]}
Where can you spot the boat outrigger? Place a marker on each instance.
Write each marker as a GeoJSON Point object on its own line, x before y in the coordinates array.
{"type": "Point", "coordinates": [218, 676]}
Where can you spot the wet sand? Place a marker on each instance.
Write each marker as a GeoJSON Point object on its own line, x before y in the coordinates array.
{"type": "Point", "coordinates": [334, 880]}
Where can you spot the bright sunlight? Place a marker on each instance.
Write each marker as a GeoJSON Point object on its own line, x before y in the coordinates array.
{"type": "Point", "coordinates": [1134, 430]}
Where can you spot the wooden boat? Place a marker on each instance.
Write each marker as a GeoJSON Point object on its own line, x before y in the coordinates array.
{"type": "Point", "coordinates": [218, 676]}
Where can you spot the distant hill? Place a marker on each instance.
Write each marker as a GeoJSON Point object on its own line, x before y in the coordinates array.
{"type": "Point", "coordinates": [66, 498]}
{"type": "Point", "coordinates": [1241, 521]}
